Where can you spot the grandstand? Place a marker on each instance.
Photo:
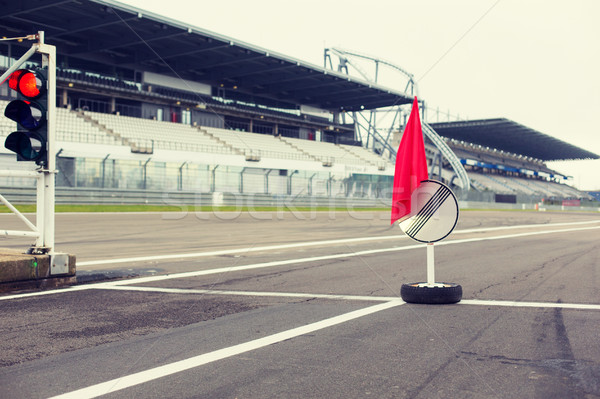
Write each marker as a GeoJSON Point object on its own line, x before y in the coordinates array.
{"type": "Point", "coordinates": [240, 119]}
{"type": "Point", "coordinates": [507, 158]}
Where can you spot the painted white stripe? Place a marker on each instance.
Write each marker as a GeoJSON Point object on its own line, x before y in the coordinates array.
{"type": "Point", "coordinates": [336, 256]}
{"type": "Point", "coordinates": [236, 251]}
{"type": "Point", "coordinates": [518, 235]}
{"type": "Point", "coordinates": [480, 302]}
{"type": "Point", "coordinates": [127, 381]}
{"type": "Point", "coordinates": [308, 244]}
{"type": "Point", "coordinates": [300, 260]}
{"type": "Point", "coordinates": [230, 269]}
{"type": "Point", "coordinates": [252, 293]}
{"type": "Point", "coordinates": [525, 226]}
{"type": "Point", "coordinates": [49, 292]}
{"type": "Point", "coordinates": [583, 306]}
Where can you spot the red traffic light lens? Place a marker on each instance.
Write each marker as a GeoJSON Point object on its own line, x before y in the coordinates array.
{"type": "Point", "coordinates": [13, 80]}
{"type": "Point", "coordinates": [28, 83]}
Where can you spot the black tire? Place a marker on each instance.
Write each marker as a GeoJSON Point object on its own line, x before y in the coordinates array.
{"type": "Point", "coordinates": [416, 293]}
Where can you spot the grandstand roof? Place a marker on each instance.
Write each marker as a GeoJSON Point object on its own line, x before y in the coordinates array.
{"type": "Point", "coordinates": [506, 135]}
{"type": "Point", "coordinates": [117, 37]}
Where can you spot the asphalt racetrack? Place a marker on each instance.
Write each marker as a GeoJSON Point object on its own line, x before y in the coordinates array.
{"type": "Point", "coordinates": [306, 305]}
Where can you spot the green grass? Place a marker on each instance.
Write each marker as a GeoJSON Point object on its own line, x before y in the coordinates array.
{"type": "Point", "coordinates": [26, 208]}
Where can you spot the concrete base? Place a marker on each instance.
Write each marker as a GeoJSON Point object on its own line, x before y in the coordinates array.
{"type": "Point", "coordinates": [22, 271]}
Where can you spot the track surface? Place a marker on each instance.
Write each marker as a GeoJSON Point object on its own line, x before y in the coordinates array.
{"type": "Point", "coordinates": [306, 305]}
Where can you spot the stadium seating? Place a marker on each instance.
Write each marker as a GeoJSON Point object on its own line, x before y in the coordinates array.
{"type": "Point", "coordinates": [145, 133]}
{"type": "Point", "coordinates": [521, 185]}
{"type": "Point", "coordinates": [325, 152]}
{"type": "Point", "coordinates": [73, 129]}
{"type": "Point", "coordinates": [261, 145]}
{"type": "Point", "coordinates": [368, 155]}
{"type": "Point", "coordinates": [491, 183]}
{"type": "Point", "coordinates": [108, 129]}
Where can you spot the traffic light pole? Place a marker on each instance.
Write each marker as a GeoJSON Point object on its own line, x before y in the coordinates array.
{"type": "Point", "coordinates": [45, 176]}
{"type": "Point", "coordinates": [46, 240]}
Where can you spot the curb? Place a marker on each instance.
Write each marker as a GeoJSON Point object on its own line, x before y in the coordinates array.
{"type": "Point", "coordinates": [23, 271]}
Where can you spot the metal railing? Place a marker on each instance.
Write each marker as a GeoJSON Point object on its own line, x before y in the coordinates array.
{"type": "Point", "coordinates": [34, 231]}
{"type": "Point", "coordinates": [449, 155]}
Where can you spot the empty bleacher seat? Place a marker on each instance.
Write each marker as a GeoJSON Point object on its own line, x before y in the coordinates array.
{"type": "Point", "coordinates": [159, 134]}
{"type": "Point", "coordinates": [70, 127]}
{"type": "Point", "coordinates": [261, 144]}
{"type": "Point", "coordinates": [323, 151]}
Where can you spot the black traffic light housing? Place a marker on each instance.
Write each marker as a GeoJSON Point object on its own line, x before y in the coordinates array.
{"type": "Point", "coordinates": [30, 113]}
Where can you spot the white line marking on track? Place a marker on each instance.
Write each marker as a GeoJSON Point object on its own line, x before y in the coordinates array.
{"type": "Point", "coordinates": [335, 256]}
{"type": "Point", "coordinates": [515, 304]}
{"type": "Point", "coordinates": [49, 292]}
{"type": "Point", "coordinates": [479, 302]}
{"type": "Point", "coordinates": [308, 244]}
{"type": "Point", "coordinates": [198, 273]}
{"type": "Point", "coordinates": [127, 381]}
{"type": "Point", "coordinates": [524, 226]}
{"type": "Point", "coordinates": [252, 293]}
{"type": "Point", "coordinates": [236, 251]}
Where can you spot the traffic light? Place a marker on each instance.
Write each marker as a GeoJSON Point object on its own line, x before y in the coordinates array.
{"type": "Point", "coordinates": [29, 111]}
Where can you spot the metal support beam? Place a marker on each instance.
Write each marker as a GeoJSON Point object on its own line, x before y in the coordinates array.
{"type": "Point", "coordinates": [266, 185]}
{"type": "Point", "coordinates": [369, 124]}
{"type": "Point", "coordinates": [213, 178]}
{"type": "Point", "coordinates": [289, 182]}
{"type": "Point", "coordinates": [180, 177]}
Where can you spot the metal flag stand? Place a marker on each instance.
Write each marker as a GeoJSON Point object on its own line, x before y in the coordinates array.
{"type": "Point", "coordinates": [430, 265]}
{"type": "Point", "coordinates": [435, 216]}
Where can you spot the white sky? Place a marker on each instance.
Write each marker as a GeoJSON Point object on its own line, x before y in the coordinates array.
{"type": "Point", "coordinates": [536, 62]}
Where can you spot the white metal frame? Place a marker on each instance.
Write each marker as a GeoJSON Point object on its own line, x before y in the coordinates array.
{"type": "Point", "coordinates": [374, 134]}
{"type": "Point", "coordinates": [44, 228]}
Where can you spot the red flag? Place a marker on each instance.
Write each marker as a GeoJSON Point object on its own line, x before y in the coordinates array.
{"type": "Point", "coordinates": [411, 165]}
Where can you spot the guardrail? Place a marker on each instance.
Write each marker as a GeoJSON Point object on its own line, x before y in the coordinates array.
{"type": "Point", "coordinates": [449, 155]}
{"type": "Point", "coordinates": [79, 196]}
{"type": "Point", "coordinates": [34, 231]}
{"type": "Point", "coordinates": [93, 196]}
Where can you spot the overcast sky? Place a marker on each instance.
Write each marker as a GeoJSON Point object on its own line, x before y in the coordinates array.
{"type": "Point", "coordinates": [535, 62]}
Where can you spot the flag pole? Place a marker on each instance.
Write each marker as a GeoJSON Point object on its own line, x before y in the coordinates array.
{"type": "Point", "coordinates": [430, 265]}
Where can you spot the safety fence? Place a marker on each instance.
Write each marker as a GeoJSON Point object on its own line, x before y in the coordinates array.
{"type": "Point", "coordinates": [185, 199]}
{"type": "Point", "coordinates": [148, 175]}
